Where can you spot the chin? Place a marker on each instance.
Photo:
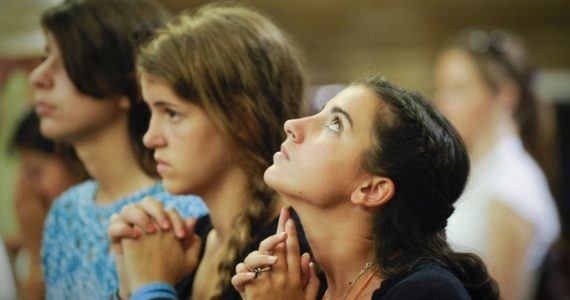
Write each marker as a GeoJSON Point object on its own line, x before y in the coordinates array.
{"type": "Point", "coordinates": [274, 180]}
{"type": "Point", "coordinates": [268, 176]}
{"type": "Point", "coordinates": [174, 188]}
{"type": "Point", "coordinates": [53, 132]}
{"type": "Point", "coordinates": [49, 131]}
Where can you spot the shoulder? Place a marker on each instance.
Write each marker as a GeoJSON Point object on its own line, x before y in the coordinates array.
{"type": "Point", "coordinates": [425, 281]}
{"type": "Point", "coordinates": [73, 197]}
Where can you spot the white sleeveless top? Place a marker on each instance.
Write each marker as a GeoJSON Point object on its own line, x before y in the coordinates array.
{"type": "Point", "coordinates": [510, 175]}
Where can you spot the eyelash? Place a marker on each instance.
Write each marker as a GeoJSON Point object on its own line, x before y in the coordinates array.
{"type": "Point", "coordinates": [335, 121]}
{"type": "Point", "coordinates": [171, 114]}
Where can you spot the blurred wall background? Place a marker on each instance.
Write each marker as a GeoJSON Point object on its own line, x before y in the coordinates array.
{"type": "Point", "coordinates": [343, 39]}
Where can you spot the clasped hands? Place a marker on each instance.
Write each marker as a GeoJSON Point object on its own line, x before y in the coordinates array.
{"type": "Point", "coordinates": [277, 270]}
{"type": "Point", "coordinates": [152, 244]}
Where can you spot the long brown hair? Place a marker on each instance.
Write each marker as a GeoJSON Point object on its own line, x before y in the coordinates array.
{"type": "Point", "coordinates": [241, 69]}
{"type": "Point", "coordinates": [416, 147]}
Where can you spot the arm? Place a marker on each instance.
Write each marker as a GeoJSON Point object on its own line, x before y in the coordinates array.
{"type": "Point", "coordinates": [510, 240]}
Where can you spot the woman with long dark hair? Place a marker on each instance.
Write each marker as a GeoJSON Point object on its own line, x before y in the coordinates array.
{"type": "Point", "coordinates": [373, 177]}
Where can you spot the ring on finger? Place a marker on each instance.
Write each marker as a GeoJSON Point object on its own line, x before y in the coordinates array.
{"type": "Point", "coordinates": [260, 270]}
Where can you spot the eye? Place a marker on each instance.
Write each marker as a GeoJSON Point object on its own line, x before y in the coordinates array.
{"type": "Point", "coordinates": [335, 124]}
{"type": "Point", "coordinates": [171, 114]}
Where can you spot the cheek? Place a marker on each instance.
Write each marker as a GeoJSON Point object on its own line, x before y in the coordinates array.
{"type": "Point", "coordinates": [197, 156]}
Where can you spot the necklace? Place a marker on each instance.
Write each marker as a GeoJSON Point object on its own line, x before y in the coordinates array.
{"type": "Point", "coordinates": [366, 267]}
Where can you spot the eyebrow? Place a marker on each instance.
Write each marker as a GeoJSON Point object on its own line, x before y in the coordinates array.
{"type": "Point", "coordinates": [161, 103]}
{"type": "Point", "coordinates": [343, 112]}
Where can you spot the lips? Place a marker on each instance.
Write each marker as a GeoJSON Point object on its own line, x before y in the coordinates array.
{"type": "Point", "coordinates": [161, 165]}
{"type": "Point", "coordinates": [285, 152]}
{"type": "Point", "coordinates": [43, 108]}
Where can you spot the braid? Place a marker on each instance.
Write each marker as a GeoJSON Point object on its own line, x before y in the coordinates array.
{"type": "Point", "coordinates": [254, 216]}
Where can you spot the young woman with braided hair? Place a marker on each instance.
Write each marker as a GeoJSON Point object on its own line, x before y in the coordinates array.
{"type": "Point", "coordinates": [377, 228]}
{"type": "Point", "coordinates": [220, 82]}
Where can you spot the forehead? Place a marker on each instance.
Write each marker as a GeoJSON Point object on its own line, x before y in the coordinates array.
{"type": "Point", "coordinates": [51, 43]}
{"type": "Point", "coordinates": [359, 102]}
{"type": "Point", "coordinates": [456, 61]}
{"type": "Point", "coordinates": [152, 87]}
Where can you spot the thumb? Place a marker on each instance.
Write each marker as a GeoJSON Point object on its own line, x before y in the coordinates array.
{"type": "Point", "coordinates": [312, 288]}
{"type": "Point", "coordinates": [193, 252]}
{"type": "Point", "coordinates": [117, 249]}
{"type": "Point", "coordinates": [124, 289]}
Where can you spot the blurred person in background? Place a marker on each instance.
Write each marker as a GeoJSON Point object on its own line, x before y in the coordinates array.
{"type": "Point", "coordinates": [21, 47]}
{"type": "Point", "coordinates": [87, 96]}
{"type": "Point", "coordinates": [44, 174]}
{"type": "Point", "coordinates": [483, 84]}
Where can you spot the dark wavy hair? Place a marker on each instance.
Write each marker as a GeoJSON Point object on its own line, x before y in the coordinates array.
{"type": "Point", "coordinates": [98, 40]}
{"type": "Point", "coordinates": [418, 149]}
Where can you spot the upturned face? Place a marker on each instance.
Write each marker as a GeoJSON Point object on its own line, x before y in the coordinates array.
{"type": "Point", "coordinates": [320, 160]}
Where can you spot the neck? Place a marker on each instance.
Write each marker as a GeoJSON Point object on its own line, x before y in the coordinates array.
{"type": "Point", "coordinates": [108, 157]}
{"type": "Point", "coordinates": [487, 140]}
{"type": "Point", "coordinates": [342, 248]}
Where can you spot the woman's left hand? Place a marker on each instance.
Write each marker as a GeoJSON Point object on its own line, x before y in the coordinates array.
{"type": "Point", "coordinates": [291, 276]}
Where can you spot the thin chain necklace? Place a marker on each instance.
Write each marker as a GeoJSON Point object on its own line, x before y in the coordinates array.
{"type": "Point", "coordinates": [367, 266]}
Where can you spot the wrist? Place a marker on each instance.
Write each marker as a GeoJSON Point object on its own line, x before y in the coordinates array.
{"type": "Point", "coordinates": [139, 283]}
{"type": "Point", "coordinates": [155, 290]}
{"type": "Point", "coordinates": [123, 294]}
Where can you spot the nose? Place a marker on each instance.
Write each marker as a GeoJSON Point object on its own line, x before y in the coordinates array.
{"type": "Point", "coordinates": [153, 138]}
{"type": "Point", "coordinates": [41, 76]}
{"type": "Point", "coordinates": [294, 130]}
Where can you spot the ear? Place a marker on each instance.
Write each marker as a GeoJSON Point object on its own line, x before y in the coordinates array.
{"type": "Point", "coordinates": [374, 192]}
{"type": "Point", "coordinates": [124, 103]}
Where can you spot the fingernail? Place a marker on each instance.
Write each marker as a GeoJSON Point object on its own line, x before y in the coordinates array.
{"type": "Point", "coordinates": [166, 224]}
{"type": "Point", "coordinates": [150, 227]}
{"type": "Point", "coordinates": [181, 233]}
{"type": "Point", "coordinates": [272, 259]}
{"type": "Point", "coordinates": [290, 224]}
{"type": "Point", "coordinates": [135, 233]}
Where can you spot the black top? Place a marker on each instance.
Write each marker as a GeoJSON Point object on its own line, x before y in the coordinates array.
{"type": "Point", "coordinates": [204, 226]}
{"type": "Point", "coordinates": [426, 280]}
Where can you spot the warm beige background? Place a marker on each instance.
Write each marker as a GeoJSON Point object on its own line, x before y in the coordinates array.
{"type": "Point", "coordinates": [342, 39]}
